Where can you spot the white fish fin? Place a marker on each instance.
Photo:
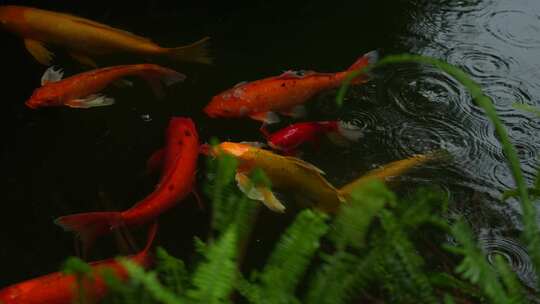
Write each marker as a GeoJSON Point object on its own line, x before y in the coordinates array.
{"type": "Point", "coordinates": [365, 60]}
{"type": "Point", "coordinates": [266, 117]}
{"type": "Point", "coordinates": [91, 101]}
{"type": "Point", "coordinates": [259, 193]}
{"type": "Point", "coordinates": [38, 50]}
{"type": "Point", "coordinates": [290, 74]}
{"type": "Point", "coordinates": [298, 111]}
{"type": "Point", "coordinates": [304, 164]}
{"type": "Point", "coordinates": [256, 144]}
{"type": "Point", "coordinates": [240, 84]}
{"type": "Point", "coordinates": [52, 74]}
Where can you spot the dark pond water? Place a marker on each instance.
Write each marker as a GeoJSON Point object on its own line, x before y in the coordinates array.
{"type": "Point", "coordinates": [61, 161]}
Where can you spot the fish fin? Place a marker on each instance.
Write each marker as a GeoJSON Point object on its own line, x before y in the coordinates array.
{"type": "Point", "coordinates": [88, 226]}
{"type": "Point", "coordinates": [166, 76]}
{"type": "Point", "coordinates": [241, 83]}
{"type": "Point", "coordinates": [259, 193]}
{"type": "Point", "coordinates": [84, 60]}
{"type": "Point", "coordinates": [256, 144]}
{"type": "Point", "coordinates": [365, 60]}
{"type": "Point", "coordinates": [362, 62]}
{"type": "Point", "coordinates": [52, 75]}
{"type": "Point", "coordinates": [303, 164]}
{"type": "Point", "coordinates": [38, 50]}
{"type": "Point", "coordinates": [198, 199]}
{"type": "Point", "coordinates": [155, 162]}
{"type": "Point", "coordinates": [265, 117]}
{"type": "Point", "coordinates": [298, 111]}
{"type": "Point", "coordinates": [91, 101]}
{"type": "Point", "coordinates": [292, 74]}
{"type": "Point", "coordinates": [350, 131]}
{"type": "Point", "coordinates": [195, 52]}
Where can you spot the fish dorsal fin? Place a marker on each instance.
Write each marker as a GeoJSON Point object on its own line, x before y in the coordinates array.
{"type": "Point", "coordinates": [291, 74]}
{"type": "Point", "coordinates": [304, 164]}
{"type": "Point", "coordinates": [241, 83]}
{"type": "Point", "coordinates": [52, 74]}
{"type": "Point", "coordinates": [89, 22]}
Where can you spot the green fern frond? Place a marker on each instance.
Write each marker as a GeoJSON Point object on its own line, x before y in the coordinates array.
{"type": "Point", "coordinates": [150, 283]}
{"type": "Point", "coordinates": [214, 278]}
{"type": "Point", "coordinates": [474, 266]}
{"type": "Point", "coordinates": [171, 271]}
{"type": "Point", "coordinates": [354, 218]}
{"type": "Point", "coordinates": [513, 286]}
{"type": "Point", "coordinates": [289, 260]}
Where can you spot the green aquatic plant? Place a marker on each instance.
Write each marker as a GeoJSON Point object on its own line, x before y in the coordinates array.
{"type": "Point", "coordinates": [379, 247]}
{"type": "Point", "coordinates": [531, 232]}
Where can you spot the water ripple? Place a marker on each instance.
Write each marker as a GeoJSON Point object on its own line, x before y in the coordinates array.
{"type": "Point", "coordinates": [519, 28]}
{"type": "Point", "coordinates": [513, 252]}
{"type": "Point", "coordinates": [480, 61]}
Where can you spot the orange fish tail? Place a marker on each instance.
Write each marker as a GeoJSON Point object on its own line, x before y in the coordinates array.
{"type": "Point", "coordinates": [195, 52]}
{"type": "Point", "coordinates": [361, 63]}
{"type": "Point", "coordinates": [156, 76]}
{"type": "Point", "coordinates": [88, 226]}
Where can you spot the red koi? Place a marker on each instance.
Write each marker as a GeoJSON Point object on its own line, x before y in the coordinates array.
{"type": "Point", "coordinates": [284, 93]}
{"type": "Point", "coordinates": [176, 182]}
{"type": "Point", "coordinates": [290, 138]}
{"type": "Point", "coordinates": [82, 90]}
{"type": "Point", "coordinates": [62, 288]}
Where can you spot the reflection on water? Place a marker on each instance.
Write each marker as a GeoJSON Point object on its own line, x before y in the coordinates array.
{"type": "Point", "coordinates": [497, 43]}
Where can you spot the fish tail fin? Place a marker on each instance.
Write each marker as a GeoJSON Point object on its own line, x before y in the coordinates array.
{"type": "Point", "coordinates": [362, 62]}
{"type": "Point", "coordinates": [439, 155]}
{"type": "Point", "coordinates": [195, 52]}
{"type": "Point", "coordinates": [156, 78]}
{"type": "Point", "coordinates": [145, 258]}
{"type": "Point", "coordinates": [88, 226]}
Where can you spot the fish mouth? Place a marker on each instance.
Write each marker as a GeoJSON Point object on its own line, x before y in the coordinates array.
{"type": "Point", "coordinates": [31, 105]}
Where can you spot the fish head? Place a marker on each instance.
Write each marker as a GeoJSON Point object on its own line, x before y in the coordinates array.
{"type": "Point", "coordinates": [43, 97]}
{"type": "Point", "coordinates": [226, 104]}
{"type": "Point", "coordinates": [11, 17]}
{"type": "Point", "coordinates": [183, 126]}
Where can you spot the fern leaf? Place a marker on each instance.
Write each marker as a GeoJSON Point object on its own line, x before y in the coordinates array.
{"type": "Point", "coordinates": [214, 278]}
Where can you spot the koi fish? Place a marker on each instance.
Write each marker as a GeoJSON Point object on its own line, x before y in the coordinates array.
{"type": "Point", "coordinates": [62, 288]}
{"type": "Point", "coordinates": [81, 90]}
{"type": "Point", "coordinates": [284, 93]}
{"type": "Point", "coordinates": [176, 182]}
{"type": "Point", "coordinates": [84, 39]}
{"type": "Point", "coordinates": [285, 173]}
{"type": "Point", "coordinates": [386, 172]}
{"type": "Point", "coordinates": [290, 138]}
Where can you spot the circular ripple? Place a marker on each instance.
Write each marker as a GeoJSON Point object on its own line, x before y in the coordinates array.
{"type": "Point", "coordinates": [515, 255]}
{"type": "Point", "coordinates": [515, 27]}
{"type": "Point", "coordinates": [417, 90]}
{"type": "Point", "coordinates": [504, 92]}
{"type": "Point", "coordinates": [480, 61]}
{"type": "Point", "coordinates": [413, 138]}
{"type": "Point", "coordinates": [462, 6]}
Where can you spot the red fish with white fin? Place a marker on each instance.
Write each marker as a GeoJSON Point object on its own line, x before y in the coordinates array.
{"type": "Point", "coordinates": [82, 90]}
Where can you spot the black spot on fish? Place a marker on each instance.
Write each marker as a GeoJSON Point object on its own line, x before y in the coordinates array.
{"type": "Point", "coordinates": [187, 133]}
{"type": "Point", "coordinates": [283, 84]}
{"type": "Point", "coordinates": [171, 188]}
{"type": "Point", "coordinates": [180, 142]}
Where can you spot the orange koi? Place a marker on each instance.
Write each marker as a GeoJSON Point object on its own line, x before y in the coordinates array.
{"type": "Point", "coordinates": [62, 288]}
{"type": "Point", "coordinates": [84, 38]}
{"type": "Point", "coordinates": [81, 90]}
{"type": "Point", "coordinates": [176, 182]}
{"type": "Point", "coordinates": [284, 93]}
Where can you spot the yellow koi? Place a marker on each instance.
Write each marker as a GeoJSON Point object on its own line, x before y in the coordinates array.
{"type": "Point", "coordinates": [84, 38]}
